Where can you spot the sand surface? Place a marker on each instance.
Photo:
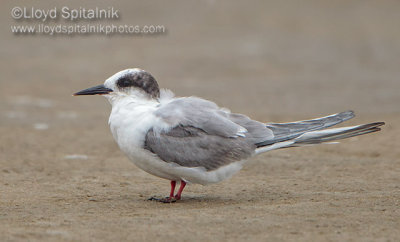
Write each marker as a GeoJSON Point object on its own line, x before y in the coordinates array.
{"type": "Point", "coordinates": [62, 177]}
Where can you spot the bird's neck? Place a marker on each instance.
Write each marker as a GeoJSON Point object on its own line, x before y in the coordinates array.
{"type": "Point", "coordinates": [131, 100]}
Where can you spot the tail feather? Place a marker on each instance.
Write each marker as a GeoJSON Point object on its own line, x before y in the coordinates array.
{"type": "Point", "coordinates": [288, 131]}
{"type": "Point", "coordinates": [328, 135]}
{"type": "Point", "coordinates": [311, 132]}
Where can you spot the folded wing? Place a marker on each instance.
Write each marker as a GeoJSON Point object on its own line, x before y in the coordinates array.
{"type": "Point", "coordinates": [192, 147]}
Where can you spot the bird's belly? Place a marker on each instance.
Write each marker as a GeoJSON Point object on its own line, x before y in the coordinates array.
{"type": "Point", "coordinates": [152, 164]}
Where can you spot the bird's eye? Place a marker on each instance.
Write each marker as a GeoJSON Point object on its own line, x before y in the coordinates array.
{"type": "Point", "coordinates": [124, 82]}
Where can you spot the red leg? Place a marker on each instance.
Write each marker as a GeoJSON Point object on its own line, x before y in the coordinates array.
{"type": "Point", "coordinates": [173, 184]}
{"type": "Point", "coordinates": [179, 194]}
{"type": "Point", "coordinates": [171, 197]}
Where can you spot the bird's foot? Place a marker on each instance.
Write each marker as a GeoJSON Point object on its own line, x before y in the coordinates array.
{"type": "Point", "coordinates": [164, 200]}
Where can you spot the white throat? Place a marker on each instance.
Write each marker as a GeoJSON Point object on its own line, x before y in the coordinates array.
{"type": "Point", "coordinates": [134, 97]}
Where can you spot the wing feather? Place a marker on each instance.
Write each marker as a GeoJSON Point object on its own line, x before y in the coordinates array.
{"type": "Point", "coordinates": [207, 116]}
{"type": "Point", "coordinates": [192, 147]}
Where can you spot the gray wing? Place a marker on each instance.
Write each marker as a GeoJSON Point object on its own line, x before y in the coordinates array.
{"type": "Point", "coordinates": [192, 147]}
{"type": "Point", "coordinates": [256, 131]}
{"type": "Point", "coordinates": [207, 116]}
{"type": "Point", "coordinates": [288, 131]}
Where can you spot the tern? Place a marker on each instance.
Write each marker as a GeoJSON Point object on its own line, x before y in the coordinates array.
{"type": "Point", "coordinates": [192, 140]}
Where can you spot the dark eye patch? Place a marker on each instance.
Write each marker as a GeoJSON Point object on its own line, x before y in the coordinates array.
{"type": "Point", "coordinates": [140, 80]}
{"type": "Point", "coordinates": [125, 82]}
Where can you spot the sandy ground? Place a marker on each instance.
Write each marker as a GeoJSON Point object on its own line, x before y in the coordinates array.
{"type": "Point", "coordinates": [62, 177]}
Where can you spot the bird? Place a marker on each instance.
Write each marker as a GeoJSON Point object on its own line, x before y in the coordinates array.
{"type": "Point", "coordinates": [190, 140]}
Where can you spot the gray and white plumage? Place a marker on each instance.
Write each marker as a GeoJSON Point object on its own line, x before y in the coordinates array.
{"type": "Point", "coordinates": [194, 140]}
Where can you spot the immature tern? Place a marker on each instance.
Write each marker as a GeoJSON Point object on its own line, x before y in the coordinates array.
{"type": "Point", "coordinates": [192, 140]}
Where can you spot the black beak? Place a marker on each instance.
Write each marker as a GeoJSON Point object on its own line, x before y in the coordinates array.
{"type": "Point", "coordinates": [97, 90]}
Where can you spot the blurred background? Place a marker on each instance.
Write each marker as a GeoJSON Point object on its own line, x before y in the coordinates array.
{"type": "Point", "coordinates": [258, 57]}
{"type": "Point", "coordinates": [276, 61]}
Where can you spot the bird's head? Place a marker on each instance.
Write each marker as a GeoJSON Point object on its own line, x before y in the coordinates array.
{"type": "Point", "coordinates": [129, 82]}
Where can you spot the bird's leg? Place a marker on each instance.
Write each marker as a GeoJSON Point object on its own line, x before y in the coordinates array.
{"type": "Point", "coordinates": [179, 194]}
{"type": "Point", "coordinates": [173, 184]}
{"type": "Point", "coordinates": [171, 197]}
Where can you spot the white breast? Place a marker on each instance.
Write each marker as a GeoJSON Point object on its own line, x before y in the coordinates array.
{"type": "Point", "coordinates": [129, 123]}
